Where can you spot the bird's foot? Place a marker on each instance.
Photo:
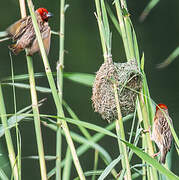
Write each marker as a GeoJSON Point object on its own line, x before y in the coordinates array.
{"type": "Point", "coordinates": [156, 154]}
{"type": "Point", "coordinates": [118, 175]}
{"type": "Point", "coordinates": [59, 66]}
{"type": "Point", "coordinates": [147, 130]}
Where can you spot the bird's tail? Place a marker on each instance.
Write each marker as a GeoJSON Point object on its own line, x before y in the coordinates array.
{"type": "Point", "coordinates": [4, 35]}
{"type": "Point", "coordinates": [163, 156]}
{"type": "Point", "coordinates": [15, 48]}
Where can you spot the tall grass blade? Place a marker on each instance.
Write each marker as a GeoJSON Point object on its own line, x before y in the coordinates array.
{"type": "Point", "coordinates": [82, 78]}
{"type": "Point", "coordinates": [147, 9]}
{"type": "Point", "coordinates": [169, 59]}
{"type": "Point", "coordinates": [3, 176]}
{"type": "Point", "coordinates": [152, 161]}
{"type": "Point", "coordinates": [98, 136]}
{"type": "Point", "coordinates": [108, 169]}
{"type": "Point", "coordinates": [54, 90]}
{"type": "Point", "coordinates": [67, 166]}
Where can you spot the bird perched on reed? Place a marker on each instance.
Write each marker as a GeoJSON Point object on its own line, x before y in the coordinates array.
{"type": "Point", "coordinates": [23, 34]}
{"type": "Point", "coordinates": [161, 133]}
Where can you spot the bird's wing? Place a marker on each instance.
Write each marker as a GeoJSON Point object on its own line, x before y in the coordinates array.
{"type": "Point", "coordinates": [17, 29]}
{"type": "Point", "coordinates": [46, 37]}
{"type": "Point", "coordinates": [165, 131]}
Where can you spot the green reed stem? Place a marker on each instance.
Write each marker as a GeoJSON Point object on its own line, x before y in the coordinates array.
{"type": "Point", "coordinates": [18, 137]}
{"type": "Point", "coordinates": [8, 138]}
{"type": "Point", "coordinates": [54, 91]}
{"type": "Point", "coordinates": [67, 165]}
{"type": "Point", "coordinates": [36, 118]}
{"type": "Point", "coordinates": [128, 27]}
{"type": "Point", "coordinates": [60, 65]}
{"type": "Point", "coordinates": [96, 157]}
{"type": "Point", "coordinates": [151, 171]}
{"type": "Point", "coordinates": [35, 105]}
{"type": "Point", "coordinates": [121, 135]}
{"type": "Point", "coordinates": [131, 48]}
{"type": "Point", "coordinates": [98, 136]}
{"type": "Point", "coordinates": [144, 169]}
{"type": "Point", "coordinates": [101, 29]}
{"type": "Point", "coordinates": [123, 29]}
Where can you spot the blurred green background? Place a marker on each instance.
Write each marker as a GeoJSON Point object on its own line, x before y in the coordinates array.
{"type": "Point", "coordinates": [157, 37]}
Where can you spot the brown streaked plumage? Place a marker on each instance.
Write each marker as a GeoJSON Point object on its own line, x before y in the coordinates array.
{"type": "Point", "coordinates": [23, 33]}
{"type": "Point", "coordinates": [161, 133]}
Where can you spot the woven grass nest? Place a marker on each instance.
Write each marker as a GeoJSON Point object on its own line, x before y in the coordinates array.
{"type": "Point", "coordinates": [128, 80]}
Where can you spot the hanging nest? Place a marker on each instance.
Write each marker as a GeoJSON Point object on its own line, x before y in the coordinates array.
{"type": "Point", "coordinates": [128, 80]}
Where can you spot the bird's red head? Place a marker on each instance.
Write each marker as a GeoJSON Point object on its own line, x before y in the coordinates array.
{"type": "Point", "coordinates": [44, 14]}
{"type": "Point", "coordinates": [162, 106]}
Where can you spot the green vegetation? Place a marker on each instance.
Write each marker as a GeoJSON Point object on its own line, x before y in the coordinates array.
{"type": "Point", "coordinates": [136, 144]}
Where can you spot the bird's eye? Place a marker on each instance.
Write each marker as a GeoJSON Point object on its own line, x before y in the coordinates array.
{"type": "Point", "coordinates": [45, 13]}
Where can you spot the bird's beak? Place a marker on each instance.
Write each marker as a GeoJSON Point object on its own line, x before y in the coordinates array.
{"type": "Point", "coordinates": [49, 15]}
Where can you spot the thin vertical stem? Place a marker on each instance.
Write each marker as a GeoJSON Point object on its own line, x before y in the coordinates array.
{"type": "Point", "coordinates": [128, 28]}
{"type": "Point", "coordinates": [143, 162]}
{"type": "Point", "coordinates": [123, 29]}
{"type": "Point", "coordinates": [67, 166]}
{"type": "Point", "coordinates": [98, 136]}
{"type": "Point", "coordinates": [96, 156]}
{"type": "Point", "coordinates": [131, 49]}
{"type": "Point", "coordinates": [18, 137]}
{"type": "Point", "coordinates": [35, 106]}
{"type": "Point", "coordinates": [54, 91]}
{"type": "Point", "coordinates": [36, 118]}
{"type": "Point", "coordinates": [129, 37]}
{"type": "Point", "coordinates": [60, 65]}
{"type": "Point", "coordinates": [8, 138]}
{"type": "Point", "coordinates": [99, 19]}
{"type": "Point", "coordinates": [150, 151]}
{"type": "Point", "coordinates": [121, 134]}
{"type": "Point", "coordinates": [22, 8]}
{"type": "Point", "coordinates": [144, 143]}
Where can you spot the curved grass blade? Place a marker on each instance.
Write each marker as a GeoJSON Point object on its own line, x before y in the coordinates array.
{"type": "Point", "coordinates": [83, 148]}
{"type": "Point", "coordinates": [18, 117]}
{"type": "Point", "coordinates": [22, 77]}
{"type": "Point", "coordinates": [3, 176]}
{"type": "Point", "coordinates": [152, 161]}
{"type": "Point", "coordinates": [74, 116]}
{"type": "Point", "coordinates": [169, 59]}
{"type": "Point", "coordinates": [83, 140]}
{"type": "Point", "coordinates": [93, 127]}
{"type": "Point", "coordinates": [82, 78]}
{"type": "Point", "coordinates": [90, 126]}
{"type": "Point", "coordinates": [78, 138]}
{"type": "Point", "coordinates": [90, 173]}
{"type": "Point", "coordinates": [108, 169]}
{"type": "Point", "coordinates": [113, 18]}
{"type": "Point", "coordinates": [47, 157]}
{"type": "Point", "coordinates": [27, 86]}
{"type": "Point", "coordinates": [12, 123]}
{"type": "Point", "coordinates": [147, 10]}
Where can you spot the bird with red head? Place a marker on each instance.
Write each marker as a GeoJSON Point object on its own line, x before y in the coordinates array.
{"type": "Point", "coordinates": [161, 133]}
{"type": "Point", "coordinates": [23, 34]}
{"type": "Point", "coordinates": [44, 14]}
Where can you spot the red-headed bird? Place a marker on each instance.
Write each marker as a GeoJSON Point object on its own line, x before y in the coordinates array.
{"type": "Point", "coordinates": [161, 133]}
{"type": "Point", "coordinates": [23, 34]}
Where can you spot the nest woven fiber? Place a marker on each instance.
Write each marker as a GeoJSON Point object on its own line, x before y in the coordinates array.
{"type": "Point", "coordinates": [128, 80]}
